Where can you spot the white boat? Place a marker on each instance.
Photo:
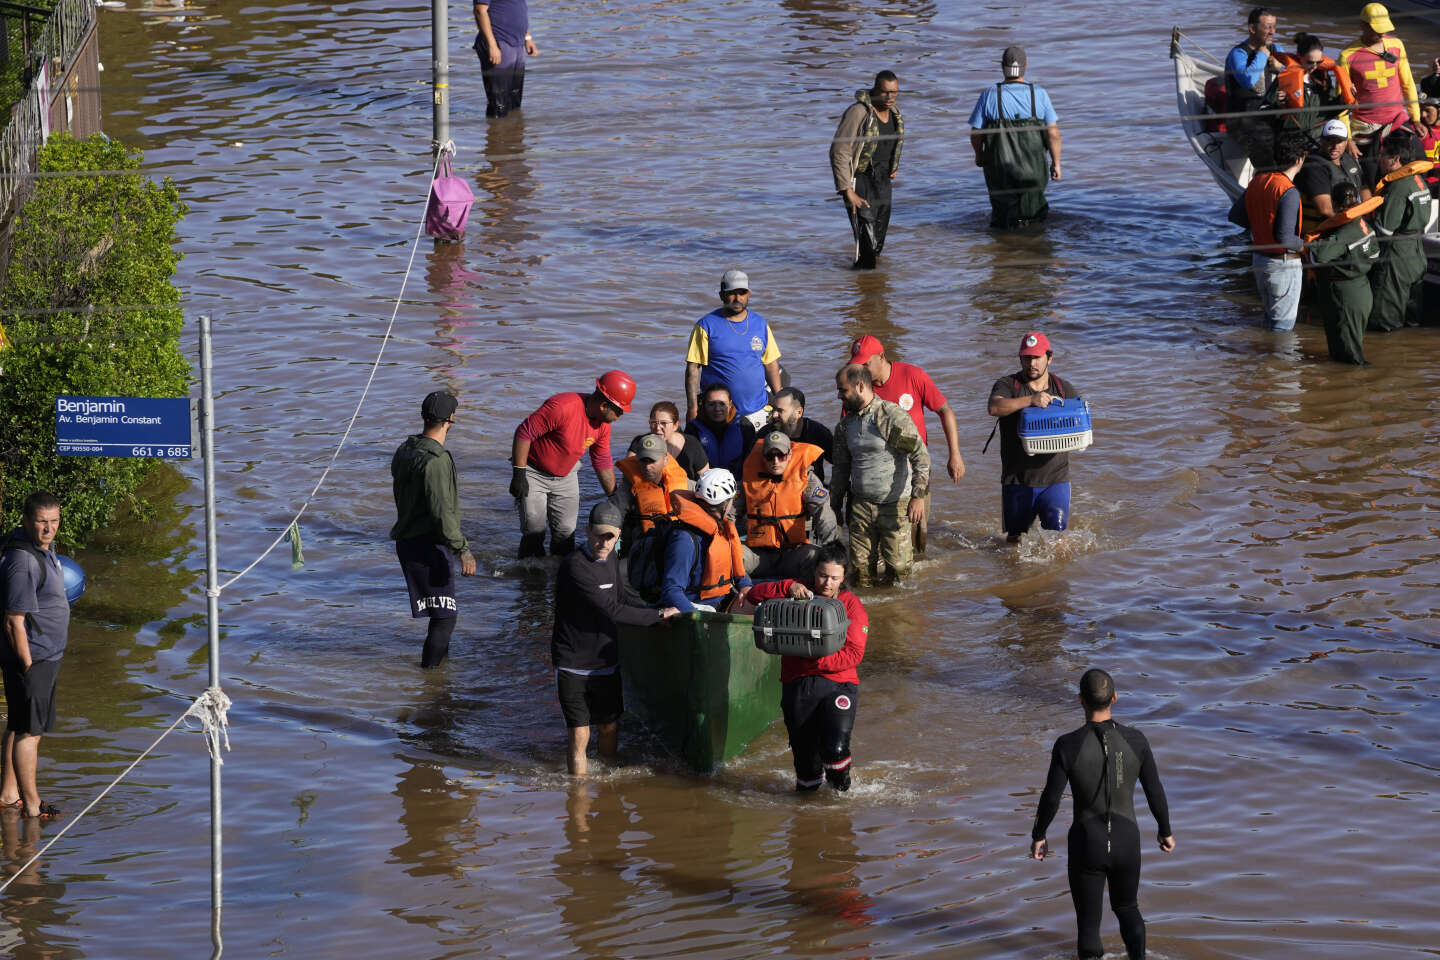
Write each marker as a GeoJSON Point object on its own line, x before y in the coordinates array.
{"type": "Point", "coordinates": [1222, 156]}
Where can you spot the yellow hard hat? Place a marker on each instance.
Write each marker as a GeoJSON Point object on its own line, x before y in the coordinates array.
{"type": "Point", "coordinates": [1378, 17]}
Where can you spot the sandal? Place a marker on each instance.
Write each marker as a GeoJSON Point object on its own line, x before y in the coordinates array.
{"type": "Point", "coordinates": [16, 804]}
{"type": "Point", "coordinates": [48, 811]}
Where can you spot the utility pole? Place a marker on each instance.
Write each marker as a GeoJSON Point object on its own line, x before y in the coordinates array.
{"type": "Point", "coordinates": [212, 610]}
{"type": "Point", "coordinates": [440, 75]}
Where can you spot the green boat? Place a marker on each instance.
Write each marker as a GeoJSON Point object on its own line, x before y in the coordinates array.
{"type": "Point", "coordinates": [700, 685]}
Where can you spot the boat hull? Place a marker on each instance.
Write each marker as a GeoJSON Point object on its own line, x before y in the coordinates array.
{"type": "Point", "coordinates": [700, 685]}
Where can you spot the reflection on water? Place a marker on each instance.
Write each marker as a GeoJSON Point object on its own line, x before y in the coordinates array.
{"type": "Point", "coordinates": [1252, 552]}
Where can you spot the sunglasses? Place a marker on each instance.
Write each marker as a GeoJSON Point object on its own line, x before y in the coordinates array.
{"type": "Point", "coordinates": [775, 455]}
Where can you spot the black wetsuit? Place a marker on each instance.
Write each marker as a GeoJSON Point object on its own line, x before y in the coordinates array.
{"type": "Point", "coordinates": [1101, 762]}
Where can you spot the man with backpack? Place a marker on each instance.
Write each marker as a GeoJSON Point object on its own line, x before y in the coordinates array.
{"type": "Point", "coordinates": [1031, 485]}
{"type": "Point", "coordinates": [36, 627]}
{"type": "Point", "coordinates": [1014, 127]}
{"type": "Point", "coordinates": [864, 158]}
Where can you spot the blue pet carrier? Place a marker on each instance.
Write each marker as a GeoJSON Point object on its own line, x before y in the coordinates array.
{"type": "Point", "coordinates": [1062, 427]}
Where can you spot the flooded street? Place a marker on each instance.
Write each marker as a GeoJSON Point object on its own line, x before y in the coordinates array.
{"type": "Point", "coordinates": [1253, 551]}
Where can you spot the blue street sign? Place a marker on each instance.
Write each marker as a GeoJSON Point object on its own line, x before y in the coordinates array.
{"type": "Point", "coordinates": [124, 427]}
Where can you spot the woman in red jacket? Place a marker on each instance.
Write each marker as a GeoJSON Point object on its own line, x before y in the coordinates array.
{"type": "Point", "coordinates": [819, 697]}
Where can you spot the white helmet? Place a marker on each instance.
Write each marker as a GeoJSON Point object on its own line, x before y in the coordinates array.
{"type": "Point", "coordinates": [716, 485]}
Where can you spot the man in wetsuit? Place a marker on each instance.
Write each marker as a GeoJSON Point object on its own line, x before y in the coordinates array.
{"type": "Point", "coordinates": [1101, 762]}
{"type": "Point", "coordinates": [864, 158]}
{"type": "Point", "coordinates": [820, 693]}
{"type": "Point", "coordinates": [1248, 68]}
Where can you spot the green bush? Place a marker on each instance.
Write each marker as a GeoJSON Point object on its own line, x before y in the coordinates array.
{"type": "Point", "coordinates": [86, 251]}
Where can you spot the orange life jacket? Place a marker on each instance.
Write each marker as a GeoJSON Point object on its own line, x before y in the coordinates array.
{"type": "Point", "coordinates": [1345, 216]}
{"type": "Point", "coordinates": [653, 499]}
{"type": "Point", "coordinates": [1410, 169]}
{"type": "Point", "coordinates": [775, 511]}
{"type": "Point", "coordinates": [724, 562]}
{"type": "Point", "coordinates": [1262, 197]}
{"type": "Point", "coordinates": [1290, 84]}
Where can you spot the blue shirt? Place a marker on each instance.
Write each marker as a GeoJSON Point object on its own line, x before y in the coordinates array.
{"type": "Point", "coordinates": [734, 355]}
{"type": "Point", "coordinates": [684, 565]}
{"type": "Point", "coordinates": [509, 21]}
{"type": "Point", "coordinates": [1247, 69]}
{"type": "Point", "coordinates": [1013, 104]}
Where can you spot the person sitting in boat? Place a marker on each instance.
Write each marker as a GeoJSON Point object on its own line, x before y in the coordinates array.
{"type": "Point", "coordinates": [781, 492]}
{"type": "Point", "coordinates": [1384, 86]}
{"type": "Point", "coordinates": [1399, 279]}
{"type": "Point", "coordinates": [1344, 248]}
{"type": "Point", "coordinates": [1326, 167]}
{"type": "Point", "coordinates": [1310, 90]}
{"type": "Point", "coordinates": [647, 477]}
{"type": "Point", "coordinates": [704, 558]}
{"type": "Point", "coordinates": [725, 435]}
{"type": "Point", "coordinates": [1427, 132]}
{"type": "Point", "coordinates": [684, 447]}
{"type": "Point", "coordinates": [588, 606]}
{"type": "Point", "coordinates": [819, 694]}
{"type": "Point", "coordinates": [1248, 68]}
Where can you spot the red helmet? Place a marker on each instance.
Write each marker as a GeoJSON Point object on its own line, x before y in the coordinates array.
{"type": "Point", "coordinates": [617, 387]}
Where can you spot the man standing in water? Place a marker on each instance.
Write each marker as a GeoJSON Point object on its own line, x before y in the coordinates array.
{"type": "Point", "coordinates": [864, 158]}
{"type": "Point", "coordinates": [35, 628]}
{"type": "Point", "coordinates": [545, 460]}
{"type": "Point", "coordinates": [427, 529]}
{"type": "Point", "coordinates": [1013, 126]}
{"type": "Point", "coordinates": [820, 693]}
{"type": "Point", "coordinates": [1101, 762]}
{"type": "Point", "coordinates": [502, 44]}
{"type": "Point", "coordinates": [1035, 485]}
{"type": "Point", "coordinates": [589, 604]}
{"type": "Point", "coordinates": [732, 347]}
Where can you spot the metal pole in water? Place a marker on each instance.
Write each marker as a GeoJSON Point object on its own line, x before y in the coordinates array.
{"type": "Point", "coordinates": [440, 63]}
{"type": "Point", "coordinates": [212, 605]}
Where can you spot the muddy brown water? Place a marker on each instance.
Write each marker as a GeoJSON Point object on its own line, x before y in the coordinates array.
{"type": "Point", "coordinates": [1253, 554]}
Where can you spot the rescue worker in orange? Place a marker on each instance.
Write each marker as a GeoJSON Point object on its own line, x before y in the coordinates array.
{"type": "Point", "coordinates": [1384, 86]}
{"type": "Point", "coordinates": [1270, 209]}
{"type": "Point", "coordinates": [704, 558]}
{"type": "Point", "coordinates": [1312, 85]}
{"type": "Point", "coordinates": [781, 492]}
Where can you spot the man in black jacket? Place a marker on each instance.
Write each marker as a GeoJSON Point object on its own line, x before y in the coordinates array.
{"type": "Point", "coordinates": [589, 604]}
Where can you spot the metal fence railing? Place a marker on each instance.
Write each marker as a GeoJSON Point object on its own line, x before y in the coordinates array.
{"type": "Point", "coordinates": [34, 37]}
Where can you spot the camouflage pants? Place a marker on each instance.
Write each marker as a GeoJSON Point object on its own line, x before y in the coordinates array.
{"type": "Point", "coordinates": [880, 532]}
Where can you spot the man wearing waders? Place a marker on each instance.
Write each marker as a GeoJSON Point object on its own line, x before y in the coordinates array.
{"type": "Point", "coordinates": [1101, 761]}
{"type": "Point", "coordinates": [1020, 126]}
{"type": "Point", "coordinates": [1343, 249]}
{"type": "Point", "coordinates": [1398, 280]}
{"type": "Point", "coordinates": [864, 158]}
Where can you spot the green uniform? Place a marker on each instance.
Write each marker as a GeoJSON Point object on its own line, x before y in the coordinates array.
{"type": "Point", "coordinates": [1398, 279]}
{"type": "Point", "coordinates": [880, 464]}
{"type": "Point", "coordinates": [1344, 257]}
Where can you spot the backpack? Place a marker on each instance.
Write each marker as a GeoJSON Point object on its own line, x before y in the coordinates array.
{"type": "Point", "coordinates": [449, 207]}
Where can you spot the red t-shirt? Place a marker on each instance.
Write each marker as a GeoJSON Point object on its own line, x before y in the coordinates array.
{"type": "Point", "coordinates": [559, 433]}
{"type": "Point", "coordinates": [913, 390]}
{"type": "Point", "coordinates": [840, 665]}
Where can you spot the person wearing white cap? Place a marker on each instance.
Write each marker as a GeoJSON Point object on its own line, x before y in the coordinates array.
{"type": "Point", "coordinates": [732, 346]}
{"type": "Point", "coordinates": [1384, 86]}
{"type": "Point", "coordinates": [1328, 165]}
{"type": "Point", "coordinates": [1013, 126]}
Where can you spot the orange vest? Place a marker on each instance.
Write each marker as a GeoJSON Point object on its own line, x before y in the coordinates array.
{"type": "Point", "coordinates": [724, 562]}
{"type": "Point", "coordinates": [653, 499]}
{"type": "Point", "coordinates": [1411, 169]}
{"type": "Point", "coordinates": [1262, 198]}
{"type": "Point", "coordinates": [1290, 84]}
{"type": "Point", "coordinates": [1345, 216]}
{"type": "Point", "coordinates": [775, 511]}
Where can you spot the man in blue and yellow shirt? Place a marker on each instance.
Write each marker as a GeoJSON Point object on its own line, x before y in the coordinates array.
{"type": "Point", "coordinates": [732, 346]}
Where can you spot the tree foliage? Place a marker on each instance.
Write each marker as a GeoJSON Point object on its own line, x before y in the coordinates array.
{"type": "Point", "coordinates": [89, 309]}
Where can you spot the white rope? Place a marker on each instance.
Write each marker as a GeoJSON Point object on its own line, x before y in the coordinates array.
{"type": "Point", "coordinates": [212, 710]}
{"type": "Point", "coordinates": [374, 368]}
{"type": "Point", "coordinates": [210, 707]}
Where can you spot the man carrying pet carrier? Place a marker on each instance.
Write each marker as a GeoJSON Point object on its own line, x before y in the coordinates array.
{"type": "Point", "coordinates": [1031, 485]}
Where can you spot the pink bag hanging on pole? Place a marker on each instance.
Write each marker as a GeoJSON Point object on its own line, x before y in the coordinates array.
{"type": "Point", "coordinates": [449, 208]}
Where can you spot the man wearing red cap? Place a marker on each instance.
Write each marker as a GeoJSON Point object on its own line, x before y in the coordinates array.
{"type": "Point", "coordinates": [911, 388]}
{"type": "Point", "coordinates": [545, 455]}
{"type": "Point", "coordinates": [1030, 485]}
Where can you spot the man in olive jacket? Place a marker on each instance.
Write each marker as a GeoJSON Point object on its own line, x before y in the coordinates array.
{"type": "Point", "coordinates": [864, 158]}
{"type": "Point", "coordinates": [427, 530]}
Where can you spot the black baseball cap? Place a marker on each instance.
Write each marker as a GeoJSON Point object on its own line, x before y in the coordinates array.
{"type": "Point", "coordinates": [439, 406]}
